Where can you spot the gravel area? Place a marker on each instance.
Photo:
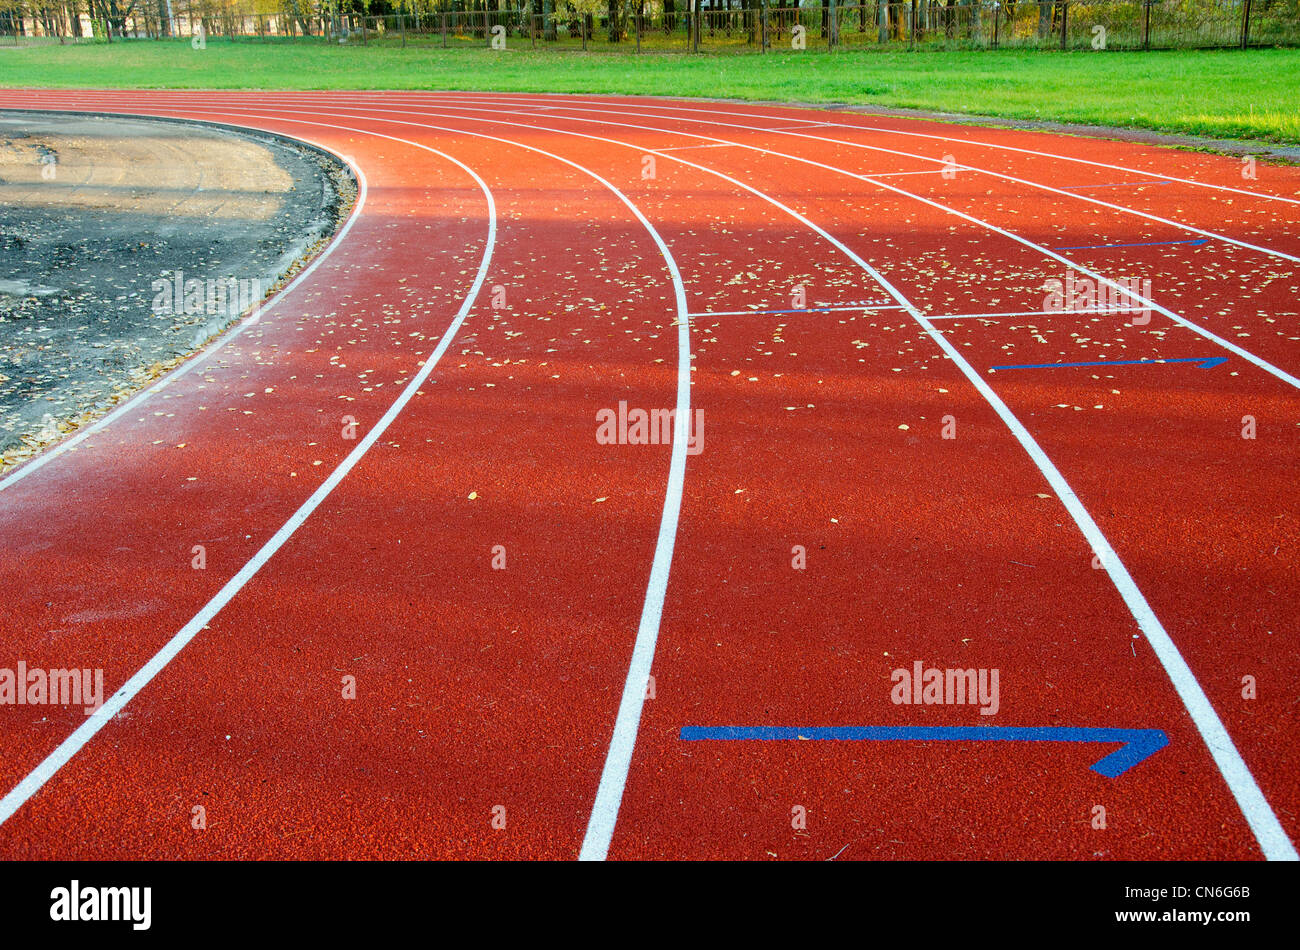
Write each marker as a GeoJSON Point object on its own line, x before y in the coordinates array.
{"type": "Point", "coordinates": [102, 222]}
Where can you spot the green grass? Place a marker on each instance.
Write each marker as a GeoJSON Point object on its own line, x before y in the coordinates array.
{"type": "Point", "coordinates": [1229, 93]}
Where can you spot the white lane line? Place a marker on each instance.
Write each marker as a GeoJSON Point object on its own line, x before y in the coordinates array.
{"type": "Point", "coordinates": [1263, 823]}
{"type": "Point", "coordinates": [1192, 229]}
{"type": "Point", "coordinates": [69, 747]}
{"type": "Point", "coordinates": [1241, 783]}
{"type": "Point", "coordinates": [792, 128]}
{"type": "Point", "coordinates": [54, 451]}
{"type": "Point", "coordinates": [752, 313]}
{"type": "Point", "coordinates": [1146, 303]}
{"type": "Point", "coordinates": [682, 148]}
{"type": "Point", "coordinates": [1118, 184]}
{"type": "Point", "coordinates": [757, 115]}
{"type": "Point", "coordinates": [618, 758]}
{"type": "Point", "coordinates": [928, 171]}
{"type": "Point", "coordinates": [1032, 313]}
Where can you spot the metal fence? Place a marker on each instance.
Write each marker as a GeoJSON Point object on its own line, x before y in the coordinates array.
{"type": "Point", "coordinates": [914, 24]}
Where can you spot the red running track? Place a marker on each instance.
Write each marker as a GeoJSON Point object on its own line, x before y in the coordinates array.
{"type": "Point", "coordinates": [830, 291]}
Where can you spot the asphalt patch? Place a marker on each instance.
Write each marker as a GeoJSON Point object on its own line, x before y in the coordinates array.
{"type": "Point", "coordinates": [105, 223]}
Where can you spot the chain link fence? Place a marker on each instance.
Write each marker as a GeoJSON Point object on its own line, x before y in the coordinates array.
{"type": "Point", "coordinates": [913, 24]}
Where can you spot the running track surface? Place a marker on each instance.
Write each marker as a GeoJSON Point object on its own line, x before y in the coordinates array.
{"type": "Point", "coordinates": [1103, 536]}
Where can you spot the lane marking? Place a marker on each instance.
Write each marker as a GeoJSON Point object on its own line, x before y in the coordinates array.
{"type": "Point", "coordinates": [101, 717]}
{"type": "Point", "coordinates": [747, 313]}
{"type": "Point", "coordinates": [1033, 313]}
{"type": "Point", "coordinates": [1273, 841]}
{"type": "Point", "coordinates": [1118, 184]}
{"type": "Point", "coordinates": [1196, 242]}
{"type": "Point", "coordinates": [1204, 362]}
{"type": "Point", "coordinates": [795, 128]}
{"type": "Point", "coordinates": [618, 759]}
{"type": "Point", "coordinates": [1138, 744]}
{"type": "Point", "coordinates": [928, 171]}
{"type": "Point", "coordinates": [682, 148]}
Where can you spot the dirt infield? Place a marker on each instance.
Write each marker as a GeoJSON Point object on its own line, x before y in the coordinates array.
{"type": "Point", "coordinates": [99, 217]}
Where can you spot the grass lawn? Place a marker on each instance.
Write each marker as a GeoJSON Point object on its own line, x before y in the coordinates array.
{"type": "Point", "coordinates": [1228, 93]}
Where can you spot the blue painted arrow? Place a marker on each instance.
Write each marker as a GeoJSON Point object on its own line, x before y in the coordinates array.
{"type": "Point", "coordinates": [1206, 362]}
{"type": "Point", "coordinates": [1138, 744]}
{"type": "Point", "coordinates": [1092, 247]}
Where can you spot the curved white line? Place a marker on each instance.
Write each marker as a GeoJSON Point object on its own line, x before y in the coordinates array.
{"type": "Point", "coordinates": [598, 106]}
{"type": "Point", "coordinates": [618, 759]}
{"type": "Point", "coordinates": [1259, 815]}
{"type": "Point", "coordinates": [1146, 303]}
{"type": "Point", "coordinates": [69, 747]}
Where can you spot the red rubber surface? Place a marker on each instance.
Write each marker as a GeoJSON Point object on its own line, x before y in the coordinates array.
{"type": "Point", "coordinates": [479, 687]}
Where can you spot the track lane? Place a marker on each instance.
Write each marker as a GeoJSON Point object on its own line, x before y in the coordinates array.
{"type": "Point", "coordinates": [572, 538]}
{"type": "Point", "coordinates": [110, 506]}
{"type": "Point", "coordinates": [1260, 280]}
{"type": "Point", "coordinates": [1265, 807]}
{"type": "Point", "coordinates": [791, 199]}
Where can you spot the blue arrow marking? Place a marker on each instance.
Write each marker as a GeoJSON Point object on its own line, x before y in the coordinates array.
{"type": "Point", "coordinates": [1138, 744]}
{"type": "Point", "coordinates": [1092, 247]}
{"type": "Point", "coordinates": [1206, 362]}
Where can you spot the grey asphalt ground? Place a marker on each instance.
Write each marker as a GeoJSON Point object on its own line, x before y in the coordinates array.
{"type": "Point", "coordinates": [94, 211]}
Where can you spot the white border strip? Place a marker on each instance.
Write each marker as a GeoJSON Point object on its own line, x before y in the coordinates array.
{"type": "Point", "coordinates": [1034, 313]}
{"type": "Point", "coordinates": [1268, 831]}
{"type": "Point", "coordinates": [1272, 838]}
{"type": "Point", "coordinates": [101, 717]}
